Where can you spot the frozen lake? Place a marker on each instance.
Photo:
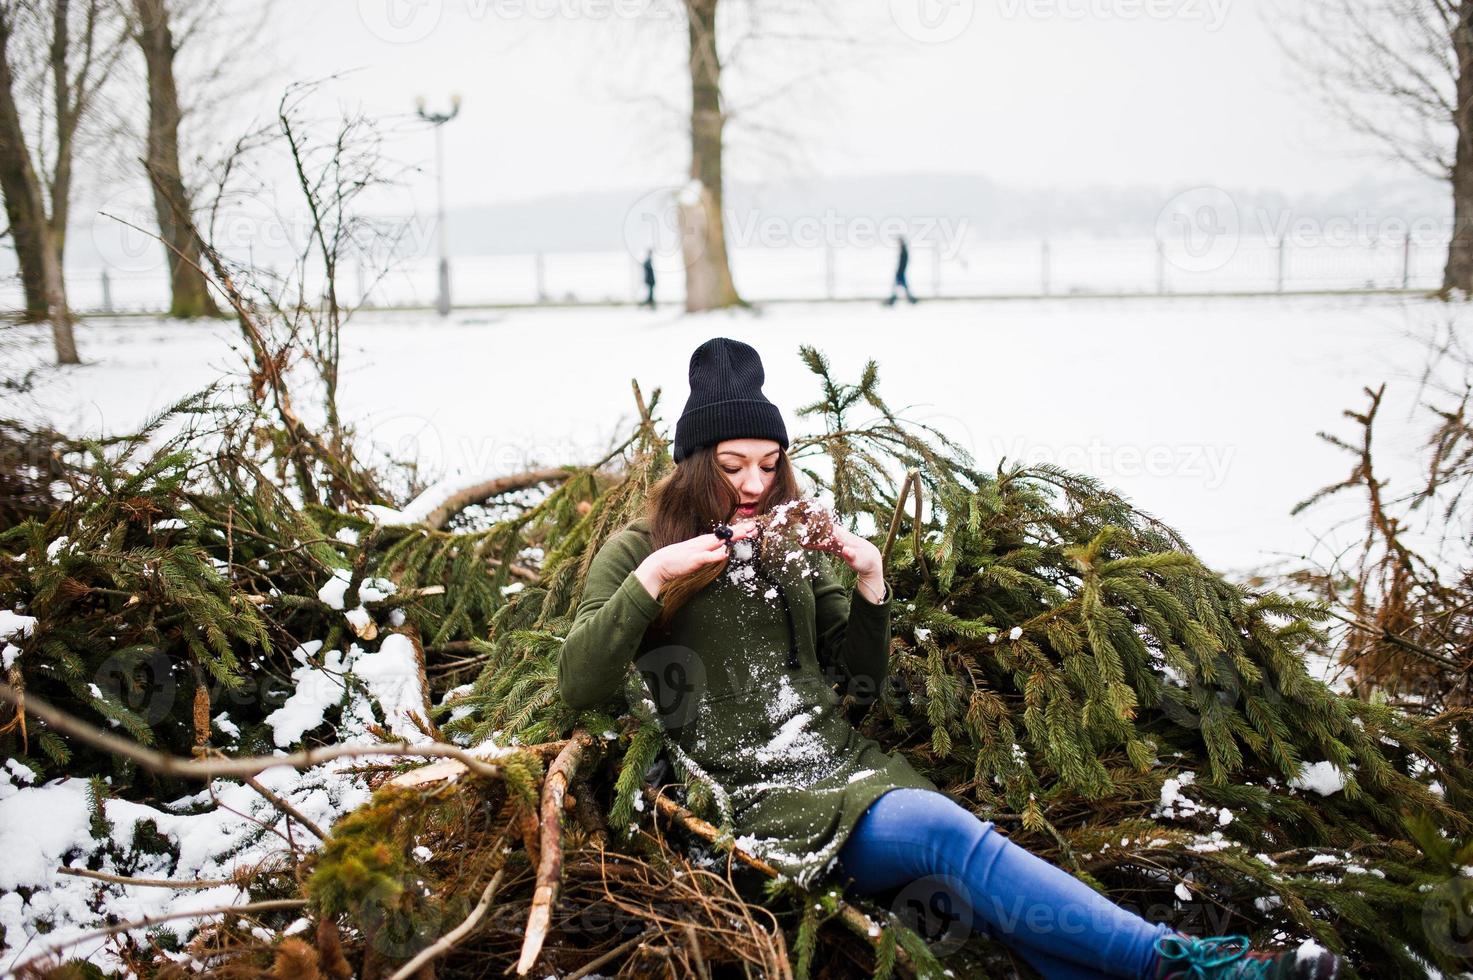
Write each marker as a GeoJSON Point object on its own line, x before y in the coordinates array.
{"type": "Point", "coordinates": [1202, 411]}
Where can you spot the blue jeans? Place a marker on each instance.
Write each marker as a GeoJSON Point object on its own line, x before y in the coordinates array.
{"type": "Point", "coordinates": [954, 866]}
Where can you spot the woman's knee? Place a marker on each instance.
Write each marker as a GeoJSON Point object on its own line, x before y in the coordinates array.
{"type": "Point", "coordinates": [928, 816]}
{"type": "Point", "coordinates": [920, 832]}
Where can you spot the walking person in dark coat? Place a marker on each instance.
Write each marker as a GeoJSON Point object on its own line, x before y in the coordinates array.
{"type": "Point", "coordinates": [751, 644]}
{"type": "Point", "coordinates": [649, 279]}
{"type": "Point", "coordinates": [900, 282]}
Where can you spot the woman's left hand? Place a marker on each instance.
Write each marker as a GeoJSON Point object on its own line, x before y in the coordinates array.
{"type": "Point", "coordinates": [858, 553]}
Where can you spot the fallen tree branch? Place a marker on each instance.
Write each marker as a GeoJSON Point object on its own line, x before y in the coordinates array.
{"type": "Point", "coordinates": [589, 815]}
{"type": "Point", "coordinates": [702, 829]}
{"type": "Point", "coordinates": [550, 860]}
{"type": "Point", "coordinates": [453, 768]}
{"type": "Point", "coordinates": [286, 808]}
{"type": "Point", "coordinates": [1397, 640]}
{"type": "Point", "coordinates": [438, 505]}
{"type": "Point", "coordinates": [150, 920]}
{"type": "Point", "coordinates": [145, 882]}
{"type": "Point", "coordinates": [911, 482]}
{"type": "Point", "coordinates": [270, 367]}
{"type": "Point", "coordinates": [209, 768]}
{"type": "Point", "coordinates": [518, 571]}
{"type": "Point", "coordinates": [695, 949]}
{"type": "Point", "coordinates": [484, 490]}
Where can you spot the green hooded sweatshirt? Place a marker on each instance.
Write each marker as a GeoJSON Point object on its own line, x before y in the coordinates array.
{"type": "Point", "coordinates": [739, 683]}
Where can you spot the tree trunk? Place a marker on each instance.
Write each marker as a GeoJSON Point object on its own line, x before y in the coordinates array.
{"type": "Point", "coordinates": [189, 290]}
{"type": "Point", "coordinates": [1458, 275]}
{"type": "Point", "coordinates": [708, 284]}
{"type": "Point", "coordinates": [25, 207]}
{"type": "Point", "coordinates": [66, 128]}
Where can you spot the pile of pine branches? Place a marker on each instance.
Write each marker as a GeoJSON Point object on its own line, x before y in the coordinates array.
{"type": "Point", "coordinates": [1061, 663]}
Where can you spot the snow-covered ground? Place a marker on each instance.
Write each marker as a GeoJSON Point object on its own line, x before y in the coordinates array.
{"type": "Point", "coordinates": [1203, 411]}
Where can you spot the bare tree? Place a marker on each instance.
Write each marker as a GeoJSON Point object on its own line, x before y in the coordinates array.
{"type": "Point", "coordinates": [782, 51]}
{"type": "Point", "coordinates": [189, 293]}
{"type": "Point", "coordinates": [38, 248]}
{"type": "Point", "coordinates": [1401, 73]}
{"type": "Point", "coordinates": [708, 283]}
{"type": "Point", "coordinates": [79, 63]}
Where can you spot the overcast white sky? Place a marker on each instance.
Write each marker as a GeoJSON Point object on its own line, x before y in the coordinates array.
{"type": "Point", "coordinates": [573, 95]}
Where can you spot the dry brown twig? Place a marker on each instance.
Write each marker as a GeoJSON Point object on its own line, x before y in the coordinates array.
{"type": "Point", "coordinates": [149, 920]}
{"type": "Point", "coordinates": [853, 918]}
{"type": "Point", "coordinates": [145, 882]}
{"type": "Point", "coordinates": [286, 808]}
{"type": "Point", "coordinates": [209, 767]}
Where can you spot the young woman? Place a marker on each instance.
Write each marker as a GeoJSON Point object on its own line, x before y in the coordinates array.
{"type": "Point", "coordinates": [740, 651]}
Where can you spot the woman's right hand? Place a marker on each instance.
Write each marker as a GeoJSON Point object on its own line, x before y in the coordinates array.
{"type": "Point", "coordinates": [674, 560]}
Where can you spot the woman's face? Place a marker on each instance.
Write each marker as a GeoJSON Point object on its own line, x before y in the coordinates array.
{"type": "Point", "coordinates": [749, 465]}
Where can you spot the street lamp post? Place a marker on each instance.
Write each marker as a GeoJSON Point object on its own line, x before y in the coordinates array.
{"type": "Point", "coordinates": [438, 119]}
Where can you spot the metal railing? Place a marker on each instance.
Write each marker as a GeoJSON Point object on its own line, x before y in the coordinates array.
{"type": "Point", "coordinates": [975, 269]}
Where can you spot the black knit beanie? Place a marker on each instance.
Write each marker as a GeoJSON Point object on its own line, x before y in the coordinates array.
{"type": "Point", "coordinates": [726, 400]}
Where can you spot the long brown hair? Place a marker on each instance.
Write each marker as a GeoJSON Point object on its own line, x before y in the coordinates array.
{"type": "Point", "coordinates": [690, 501]}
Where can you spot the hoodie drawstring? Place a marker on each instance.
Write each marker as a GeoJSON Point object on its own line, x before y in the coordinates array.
{"type": "Point", "coordinates": [724, 531]}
